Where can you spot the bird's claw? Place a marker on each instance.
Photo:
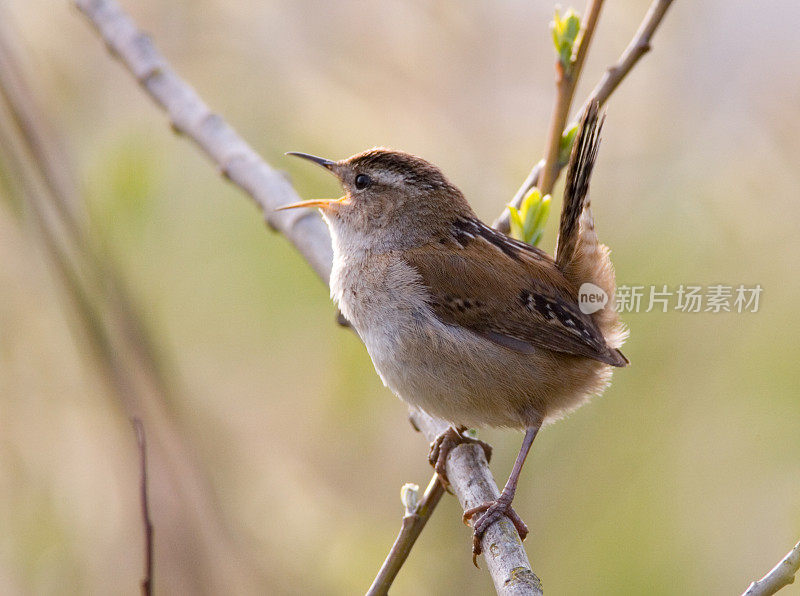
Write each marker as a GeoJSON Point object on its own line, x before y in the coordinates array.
{"type": "Point", "coordinates": [491, 511]}
{"type": "Point", "coordinates": [445, 443]}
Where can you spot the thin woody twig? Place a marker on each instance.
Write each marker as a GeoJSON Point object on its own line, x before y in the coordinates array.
{"type": "Point", "coordinates": [468, 470]}
{"type": "Point", "coordinates": [611, 79]}
{"type": "Point", "coordinates": [638, 47]}
{"type": "Point", "coordinates": [413, 523]}
{"type": "Point", "coordinates": [779, 577]}
{"type": "Point", "coordinates": [141, 442]}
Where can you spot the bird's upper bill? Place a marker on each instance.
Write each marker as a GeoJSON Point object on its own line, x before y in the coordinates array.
{"type": "Point", "coordinates": [325, 163]}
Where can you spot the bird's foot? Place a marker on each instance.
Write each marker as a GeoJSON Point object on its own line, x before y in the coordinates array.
{"type": "Point", "coordinates": [491, 511]}
{"type": "Point", "coordinates": [445, 443]}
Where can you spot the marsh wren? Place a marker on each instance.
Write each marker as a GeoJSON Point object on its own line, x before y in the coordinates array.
{"type": "Point", "coordinates": [460, 320]}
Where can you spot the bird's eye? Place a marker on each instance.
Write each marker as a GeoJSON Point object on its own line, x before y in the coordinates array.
{"type": "Point", "coordinates": [362, 181]}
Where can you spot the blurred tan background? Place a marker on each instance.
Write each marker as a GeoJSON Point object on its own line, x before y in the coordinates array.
{"type": "Point", "coordinates": [684, 478]}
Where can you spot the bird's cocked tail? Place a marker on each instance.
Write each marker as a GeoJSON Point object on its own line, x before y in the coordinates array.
{"type": "Point", "coordinates": [579, 253]}
{"type": "Point", "coordinates": [576, 189]}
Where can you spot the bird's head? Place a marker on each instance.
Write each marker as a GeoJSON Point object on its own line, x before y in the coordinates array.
{"type": "Point", "coordinates": [390, 196]}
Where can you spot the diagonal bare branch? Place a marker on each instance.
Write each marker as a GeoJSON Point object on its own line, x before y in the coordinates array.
{"type": "Point", "coordinates": [638, 47]}
{"type": "Point", "coordinates": [779, 576]}
{"type": "Point", "coordinates": [189, 115]}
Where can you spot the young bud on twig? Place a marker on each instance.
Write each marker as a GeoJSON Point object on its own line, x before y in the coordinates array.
{"type": "Point", "coordinates": [527, 222]}
{"type": "Point", "coordinates": [565, 32]}
{"type": "Point", "coordinates": [409, 496]}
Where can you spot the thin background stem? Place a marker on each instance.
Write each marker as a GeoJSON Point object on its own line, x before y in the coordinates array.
{"type": "Point", "coordinates": [141, 443]}
{"type": "Point", "coordinates": [111, 332]}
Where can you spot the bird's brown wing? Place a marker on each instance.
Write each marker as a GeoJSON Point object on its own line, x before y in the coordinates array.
{"type": "Point", "coordinates": [507, 292]}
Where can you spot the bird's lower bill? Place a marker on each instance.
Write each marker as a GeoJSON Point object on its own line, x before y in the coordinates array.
{"type": "Point", "coordinates": [323, 204]}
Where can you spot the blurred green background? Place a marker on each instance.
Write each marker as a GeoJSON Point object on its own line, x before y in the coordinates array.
{"type": "Point", "coordinates": [684, 478]}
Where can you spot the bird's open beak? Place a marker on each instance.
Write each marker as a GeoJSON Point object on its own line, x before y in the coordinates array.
{"type": "Point", "coordinates": [325, 163]}
{"type": "Point", "coordinates": [321, 203]}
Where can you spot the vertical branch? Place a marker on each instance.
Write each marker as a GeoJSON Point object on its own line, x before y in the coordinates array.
{"type": "Point", "coordinates": [147, 580]}
{"type": "Point", "coordinates": [566, 81]}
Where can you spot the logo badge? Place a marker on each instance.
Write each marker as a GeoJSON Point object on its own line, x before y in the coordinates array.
{"type": "Point", "coordinates": [591, 298]}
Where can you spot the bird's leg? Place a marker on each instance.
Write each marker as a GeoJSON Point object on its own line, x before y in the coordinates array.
{"type": "Point", "coordinates": [446, 442]}
{"type": "Point", "coordinates": [491, 511]}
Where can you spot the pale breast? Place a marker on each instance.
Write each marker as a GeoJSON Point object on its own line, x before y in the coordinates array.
{"type": "Point", "coordinates": [374, 291]}
{"type": "Point", "coordinates": [437, 367]}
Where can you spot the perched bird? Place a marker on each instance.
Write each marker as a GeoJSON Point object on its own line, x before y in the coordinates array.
{"type": "Point", "coordinates": [460, 320]}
